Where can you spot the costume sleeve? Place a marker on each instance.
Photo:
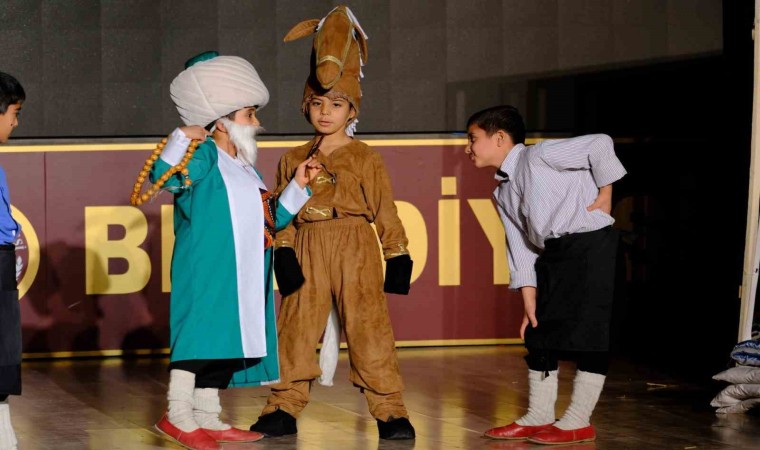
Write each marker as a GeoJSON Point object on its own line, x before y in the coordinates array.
{"type": "Point", "coordinates": [174, 150]}
{"type": "Point", "coordinates": [290, 201]}
{"type": "Point", "coordinates": [521, 253]}
{"type": "Point", "coordinates": [593, 152]}
{"type": "Point", "coordinates": [376, 186]}
{"type": "Point", "coordinates": [286, 235]}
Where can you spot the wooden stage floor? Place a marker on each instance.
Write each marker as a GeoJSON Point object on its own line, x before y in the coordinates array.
{"type": "Point", "coordinates": [453, 395]}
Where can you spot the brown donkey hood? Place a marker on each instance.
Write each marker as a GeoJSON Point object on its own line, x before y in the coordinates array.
{"type": "Point", "coordinates": [338, 53]}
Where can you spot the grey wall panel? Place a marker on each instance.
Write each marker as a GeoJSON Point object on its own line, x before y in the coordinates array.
{"type": "Point", "coordinates": [288, 109]}
{"type": "Point", "coordinates": [33, 111]}
{"type": "Point", "coordinates": [23, 51]}
{"type": "Point", "coordinates": [423, 101]}
{"type": "Point", "coordinates": [640, 29]}
{"type": "Point", "coordinates": [21, 14]}
{"type": "Point", "coordinates": [474, 39]}
{"type": "Point", "coordinates": [133, 14]}
{"type": "Point", "coordinates": [71, 56]}
{"type": "Point", "coordinates": [70, 15]}
{"type": "Point", "coordinates": [131, 56]}
{"type": "Point", "coordinates": [691, 26]}
{"type": "Point", "coordinates": [73, 109]}
{"type": "Point", "coordinates": [113, 60]}
{"type": "Point", "coordinates": [132, 108]}
{"type": "Point", "coordinates": [585, 33]}
{"type": "Point", "coordinates": [418, 65]}
{"type": "Point", "coordinates": [377, 106]}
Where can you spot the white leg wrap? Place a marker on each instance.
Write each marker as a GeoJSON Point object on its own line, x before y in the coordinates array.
{"type": "Point", "coordinates": [542, 397]}
{"type": "Point", "coordinates": [180, 396]}
{"type": "Point", "coordinates": [586, 390]}
{"type": "Point", "coordinates": [7, 436]}
{"type": "Point", "coordinates": [206, 409]}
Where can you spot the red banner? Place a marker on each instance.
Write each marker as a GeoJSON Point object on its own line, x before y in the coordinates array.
{"type": "Point", "coordinates": [94, 271]}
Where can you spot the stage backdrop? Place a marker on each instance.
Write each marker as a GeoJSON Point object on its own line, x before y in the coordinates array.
{"type": "Point", "coordinates": [94, 272]}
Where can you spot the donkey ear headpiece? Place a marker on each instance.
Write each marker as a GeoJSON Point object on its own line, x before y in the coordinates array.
{"type": "Point", "coordinates": [338, 53]}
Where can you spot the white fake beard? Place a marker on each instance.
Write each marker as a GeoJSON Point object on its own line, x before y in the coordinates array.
{"type": "Point", "coordinates": [243, 137]}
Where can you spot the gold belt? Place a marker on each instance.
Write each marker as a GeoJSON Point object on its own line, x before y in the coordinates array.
{"type": "Point", "coordinates": [323, 180]}
{"type": "Point", "coordinates": [325, 212]}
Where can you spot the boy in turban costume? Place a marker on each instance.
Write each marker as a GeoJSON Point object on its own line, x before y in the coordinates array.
{"type": "Point", "coordinates": [332, 241]}
{"type": "Point", "coordinates": [222, 303]}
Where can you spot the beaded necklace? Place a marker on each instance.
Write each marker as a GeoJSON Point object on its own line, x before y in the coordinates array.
{"type": "Point", "coordinates": [136, 198]}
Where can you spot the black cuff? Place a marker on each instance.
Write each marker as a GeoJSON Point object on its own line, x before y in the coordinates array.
{"type": "Point", "coordinates": [287, 271]}
{"type": "Point", "coordinates": [398, 275]}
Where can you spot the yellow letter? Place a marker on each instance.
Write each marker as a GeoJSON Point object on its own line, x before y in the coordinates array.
{"type": "Point", "coordinates": [489, 220]}
{"type": "Point", "coordinates": [416, 232]}
{"type": "Point", "coordinates": [449, 254]}
{"type": "Point", "coordinates": [167, 246]}
{"type": "Point", "coordinates": [98, 249]}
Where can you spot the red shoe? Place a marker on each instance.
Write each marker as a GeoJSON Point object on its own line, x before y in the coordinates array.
{"type": "Point", "coordinates": [515, 431]}
{"type": "Point", "coordinates": [233, 435]}
{"type": "Point", "coordinates": [554, 436]}
{"type": "Point", "coordinates": [197, 440]}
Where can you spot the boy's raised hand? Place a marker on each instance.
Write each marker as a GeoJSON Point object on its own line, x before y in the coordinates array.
{"type": "Point", "coordinates": [529, 302]}
{"type": "Point", "coordinates": [195, 132]}
{"type": "Point", "coordinates": [603, 201]}
{"type": "Point", "coordinates": [306, 171]}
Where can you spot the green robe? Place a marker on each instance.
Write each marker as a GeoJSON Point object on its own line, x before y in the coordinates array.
{"type": "Point", "coordinates": [206, 311]}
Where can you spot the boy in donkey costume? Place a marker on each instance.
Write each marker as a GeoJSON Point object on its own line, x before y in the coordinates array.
{"type": "Point", "coordinates": [333, 241]}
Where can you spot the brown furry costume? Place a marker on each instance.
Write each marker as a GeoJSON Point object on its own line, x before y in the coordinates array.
{"type": "Point", "coordinates": [337, 249]}
{"type": "Point", "coordinates": [338, 252]}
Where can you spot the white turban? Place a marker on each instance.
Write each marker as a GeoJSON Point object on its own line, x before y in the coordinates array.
{"type": "Point", "coordinates": [210, 89]}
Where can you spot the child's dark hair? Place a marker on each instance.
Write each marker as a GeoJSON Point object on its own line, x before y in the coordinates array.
{"type": "Point", "coordinates": [503, 117]}
{"type": "Point", "coordinates": [11, 92]}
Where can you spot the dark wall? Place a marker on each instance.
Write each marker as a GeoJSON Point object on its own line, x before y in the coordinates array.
{"type": "Point", "coordinates": [683, 128]}
{"type": "Point", "coordinates": [102, 67]}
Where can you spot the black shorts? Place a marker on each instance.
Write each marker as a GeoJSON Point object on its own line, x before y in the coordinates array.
{"type": "Point", "coordinates": [575, 292]}
{"type": "Point", "coordinates": [10, 324]}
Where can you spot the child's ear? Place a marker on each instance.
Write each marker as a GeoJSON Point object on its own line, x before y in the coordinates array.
{"type": "Point", "coordinates": [220, 126]}
{"type": "Point", "coordinates": [500, 135]}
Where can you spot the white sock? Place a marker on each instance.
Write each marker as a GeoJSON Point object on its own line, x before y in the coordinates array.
{"type": "Point", "coordinates": [586, 389]}
{"type": "Point", "coordinates": [181, 385]}
{"type": "Point", "coordinates": [7, 436]}
{"type": "Point", "coordinates": [206, 409]}
{"type": "Point", "coordinates": [541, 398]}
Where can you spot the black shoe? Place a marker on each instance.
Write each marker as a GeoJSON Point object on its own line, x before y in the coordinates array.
{"type": "Point", "coordinates": [395, 429]}
{"type": "Point", "coordinates": [278, 423]}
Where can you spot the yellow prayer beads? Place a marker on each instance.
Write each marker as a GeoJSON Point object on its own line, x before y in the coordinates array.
{"type": "Point", "coordinates": [138, 199]}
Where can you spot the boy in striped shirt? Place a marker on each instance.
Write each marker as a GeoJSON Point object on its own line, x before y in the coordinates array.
{"type": "Point", "coordinates": [554, 199]}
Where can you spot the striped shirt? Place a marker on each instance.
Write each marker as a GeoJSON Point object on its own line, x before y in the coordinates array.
{"type": "Point", "coordinates": [544, 191]}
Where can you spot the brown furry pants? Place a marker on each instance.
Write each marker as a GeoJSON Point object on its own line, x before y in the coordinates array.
{"type": "Point", "coordinates": [341, 263]}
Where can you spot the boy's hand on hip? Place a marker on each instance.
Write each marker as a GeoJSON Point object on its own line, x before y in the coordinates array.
{"type": "Point", "coordinates": [529, 302]}
{"type": "Point", "coordinates": [603, 201]}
